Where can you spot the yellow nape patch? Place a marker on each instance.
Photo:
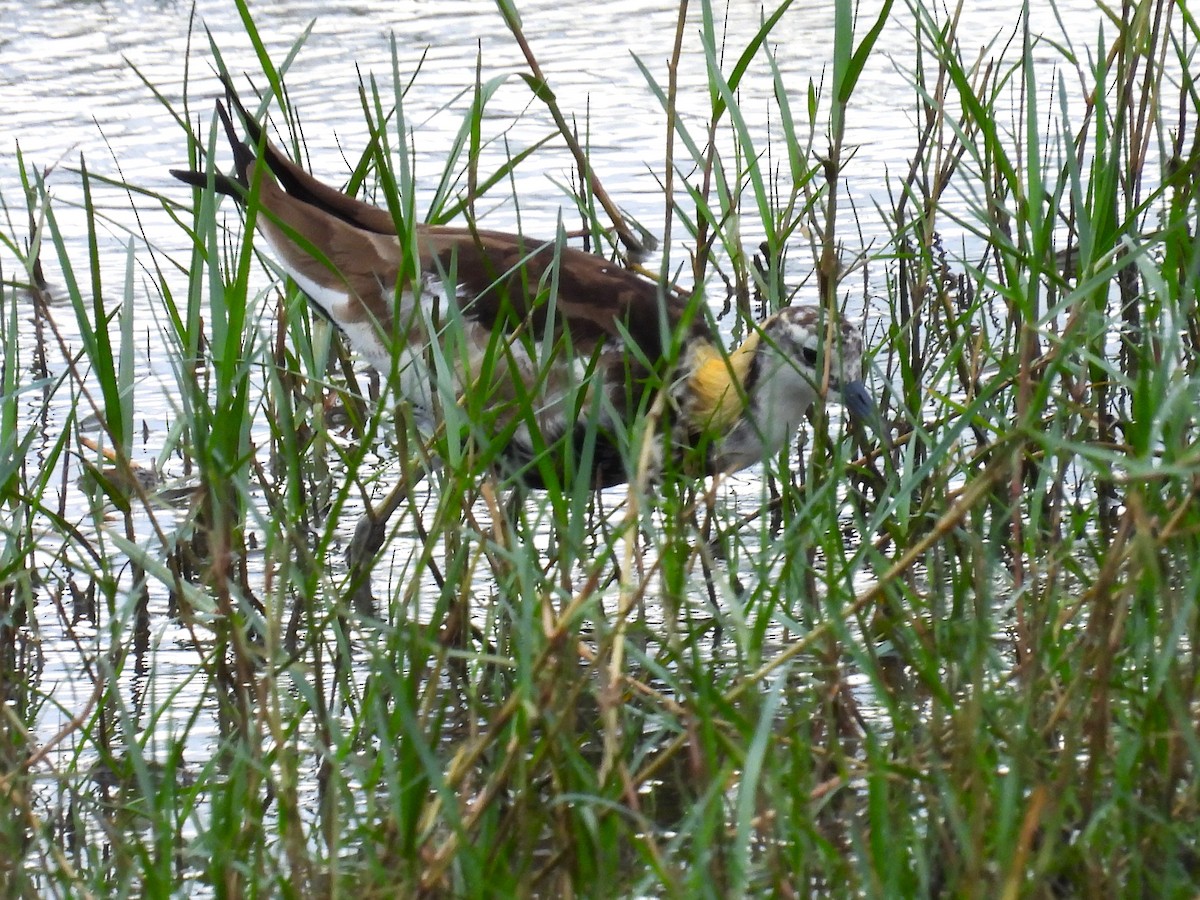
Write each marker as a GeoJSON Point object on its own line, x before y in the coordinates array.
{"type": "Point", "coordinates": [717, 384]}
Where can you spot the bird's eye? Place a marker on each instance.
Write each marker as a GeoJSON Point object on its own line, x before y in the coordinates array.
{"type": "Point", "coordinates": [809, 355]}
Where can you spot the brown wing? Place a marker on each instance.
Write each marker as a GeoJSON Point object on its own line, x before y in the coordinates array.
{"type": "Point", "coordinates": [500, 269]}
{"type": "Point", "coordinates": [505, 281]}
{"type": "Point", "coordinates": [347, 255]}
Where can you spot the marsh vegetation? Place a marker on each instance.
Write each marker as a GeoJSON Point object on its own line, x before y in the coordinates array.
{"type": "Point", "coordinates": [961, 665]}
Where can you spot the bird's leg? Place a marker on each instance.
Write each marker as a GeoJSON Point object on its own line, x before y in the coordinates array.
{"type": "Point", "coordinates": [368, 538]}
{"type": "Point", "coordinates": [371, 530]}
{"type": "Point", "coordinates": [705, 546]}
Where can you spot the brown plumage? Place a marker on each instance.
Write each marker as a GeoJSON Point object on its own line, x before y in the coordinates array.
{"type": "Point", "coordinates": [561, 348]}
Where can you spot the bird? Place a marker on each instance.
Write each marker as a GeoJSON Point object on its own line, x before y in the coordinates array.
{"type": "Point", "coordinates": [564, 348]}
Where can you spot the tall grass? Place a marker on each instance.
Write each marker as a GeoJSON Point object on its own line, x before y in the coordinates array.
{"type": "Point", "coordinates": [964, 665]}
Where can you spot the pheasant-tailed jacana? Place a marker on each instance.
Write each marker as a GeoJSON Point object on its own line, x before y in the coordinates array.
{"type": "Point", "coordinates": [569, 347]}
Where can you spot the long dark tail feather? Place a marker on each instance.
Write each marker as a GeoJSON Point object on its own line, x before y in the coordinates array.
{"type": "Point", "coordinates": [223, 184]}
{"type": "Point", "coordinates": [254, 131]}
{"type": "Point", "coordinates": [295, 180]}
{"type": "Point", "coordinates": [243, 159]}
{"type": "Point", "coordinates": [301, 185]}
{"type": "Point", "coordinates": [284, 170]}
{"type": "Point", "coordinates": [243, 156]}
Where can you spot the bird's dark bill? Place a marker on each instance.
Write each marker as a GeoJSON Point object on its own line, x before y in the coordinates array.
{"type": "Point", "coordinates": [861, 406]}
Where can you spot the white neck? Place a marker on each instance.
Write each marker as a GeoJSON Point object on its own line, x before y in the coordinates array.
{"type": "Point", "coordinates": [778, 403]}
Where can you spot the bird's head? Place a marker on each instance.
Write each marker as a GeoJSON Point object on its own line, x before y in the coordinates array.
{"type": "Point", "coordinates": [770, 382]}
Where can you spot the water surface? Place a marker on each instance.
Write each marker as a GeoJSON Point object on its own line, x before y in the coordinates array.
{"type": "Point", "coordinates": [75, 84]}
